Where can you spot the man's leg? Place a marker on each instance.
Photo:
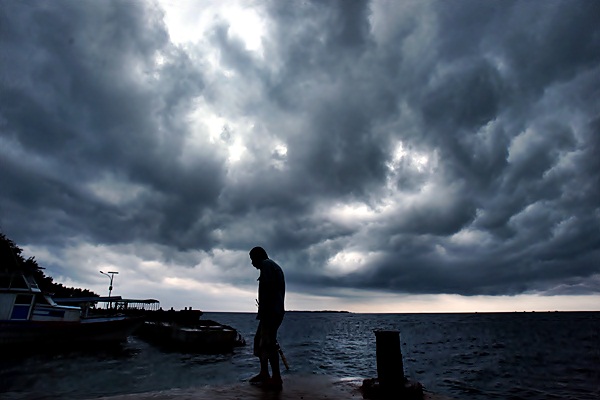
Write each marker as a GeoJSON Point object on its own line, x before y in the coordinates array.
{"type": "Point", "coordinates": [264, 366]}
{"type": "Point", "coordinates": [274, 360]}
{"type": "Point", "coordinates": [263, 375]}
{"type": "Point", "coordinates": [275, 382]}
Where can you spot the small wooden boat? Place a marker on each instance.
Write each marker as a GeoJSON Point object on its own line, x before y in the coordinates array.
{"type": "Point", "coordinates": [203, 336]}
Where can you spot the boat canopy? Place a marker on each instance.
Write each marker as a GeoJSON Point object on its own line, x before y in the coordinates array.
{"type": "Point", "coordinates": [118, 301]}
{"type": "Point", "coordinates": [138, 304]}
{"type": "Point", "coordinates": [91, 299]}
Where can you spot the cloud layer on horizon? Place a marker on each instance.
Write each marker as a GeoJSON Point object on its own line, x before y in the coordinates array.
{"type": "Point", "coordinates": [409, 147]}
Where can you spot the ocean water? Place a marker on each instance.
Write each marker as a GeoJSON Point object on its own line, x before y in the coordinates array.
{"type": "Point", "coordinates": [465, 356]}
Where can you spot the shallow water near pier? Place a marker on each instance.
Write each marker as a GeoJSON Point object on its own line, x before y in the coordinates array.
{"type": "Point", "coordinates": [474, 356]}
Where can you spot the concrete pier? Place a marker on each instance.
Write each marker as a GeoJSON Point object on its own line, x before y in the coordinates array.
{"type": "Point", "coordinates": [295, 387]}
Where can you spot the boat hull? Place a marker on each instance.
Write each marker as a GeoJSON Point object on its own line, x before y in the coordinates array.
{"type": "Point", "coordinates": [14, 334]}
{"type": "Point", "coordinates": [198, 338]}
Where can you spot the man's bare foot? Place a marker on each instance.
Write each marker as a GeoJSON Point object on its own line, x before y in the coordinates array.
{"type": "Point", "coordinates": [274, 383]}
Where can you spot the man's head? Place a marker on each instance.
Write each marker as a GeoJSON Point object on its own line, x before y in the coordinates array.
{"type": "Point", "coordinates": [257, 254]}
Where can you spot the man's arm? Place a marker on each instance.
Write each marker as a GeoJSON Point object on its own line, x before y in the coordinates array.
{"type": "Point", "coordinates": [266, 292]}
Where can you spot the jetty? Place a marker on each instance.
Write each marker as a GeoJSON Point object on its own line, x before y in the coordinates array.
{"type": "Point", "coordinates": [295, 387]}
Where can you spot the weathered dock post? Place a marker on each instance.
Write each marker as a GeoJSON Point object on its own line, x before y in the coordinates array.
{"type": "Point", "coordinates": [390, 382]}
{"type": "Point", "coordinates": [390, 368]}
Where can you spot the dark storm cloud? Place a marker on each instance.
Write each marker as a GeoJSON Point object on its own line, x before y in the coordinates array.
{"type": "Point", "coordinates": [84, 98]}
{"type": "Point", "coordinates": [429, 147]}
{"type": "Point", "coordinates": [499, 125]}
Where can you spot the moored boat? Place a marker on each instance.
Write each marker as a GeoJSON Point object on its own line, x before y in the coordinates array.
{"type": "Point", "coordinates": [29, 318]}
{"type": "Point", "coordinates": [180, 330]}
{"type": "Point", "coordinates": [204, 336]}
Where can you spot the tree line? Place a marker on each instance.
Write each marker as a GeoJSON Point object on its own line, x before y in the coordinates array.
{"type": "Point", "coordinates": [12, 261]}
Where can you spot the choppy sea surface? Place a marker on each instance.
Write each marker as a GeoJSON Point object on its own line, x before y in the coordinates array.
{"type": "Point", "coordinates": [466, 356]}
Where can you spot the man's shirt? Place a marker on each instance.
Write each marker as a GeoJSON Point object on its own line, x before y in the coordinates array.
{"type": "Point", "coordinates": [271, 291]}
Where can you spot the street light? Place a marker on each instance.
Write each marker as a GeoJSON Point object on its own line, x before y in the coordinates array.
{"type": "Point", "coordinates": [111, 276]}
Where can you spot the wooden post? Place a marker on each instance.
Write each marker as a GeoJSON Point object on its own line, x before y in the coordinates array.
{"type": "Point", "coordinates": [390, 368]}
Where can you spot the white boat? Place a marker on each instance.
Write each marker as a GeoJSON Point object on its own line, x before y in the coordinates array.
{"type": "Point", "coordinates": [29, 317]}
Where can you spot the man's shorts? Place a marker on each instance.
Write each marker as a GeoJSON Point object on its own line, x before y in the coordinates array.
{"type": "Point", "coordinates": [265, 340]}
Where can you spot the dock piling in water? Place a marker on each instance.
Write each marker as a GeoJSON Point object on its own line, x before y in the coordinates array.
{"type": "Point", "coordinates": [390, 368]}
{"type": "Point", "coordinates": [390, 382]}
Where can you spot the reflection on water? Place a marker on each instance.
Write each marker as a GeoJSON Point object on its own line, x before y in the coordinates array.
{"type": "Point", "coordinates": [476, 356]}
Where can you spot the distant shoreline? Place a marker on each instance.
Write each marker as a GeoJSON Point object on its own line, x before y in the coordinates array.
{"type": "Point", "coordinates": [319, 311]}
{"type": "Point", "coordinates": [414, 313]}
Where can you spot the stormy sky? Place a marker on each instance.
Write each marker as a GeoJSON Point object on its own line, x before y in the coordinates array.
{"type": "Point", "coordinates": [390, 155]}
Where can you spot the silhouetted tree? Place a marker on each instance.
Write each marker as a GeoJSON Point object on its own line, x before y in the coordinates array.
{"type": "Point", "coordinates": [12, 261]}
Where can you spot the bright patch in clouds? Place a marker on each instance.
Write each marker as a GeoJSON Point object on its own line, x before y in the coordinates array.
{"type": "Point", "coordinates": [217, 131]}
{"type": "Point", "coordinates": [189, 21]}
{"type": "Point", "coordinates": [354, 214]}
{"type": "Point", "coordinates": [417, 160]}
{"type": "Point", "coordinates": [470, 237]}
{"type": "Point", "coordinates": [115, 191]}
{"type": "Point", "coordinates": [345, 262]}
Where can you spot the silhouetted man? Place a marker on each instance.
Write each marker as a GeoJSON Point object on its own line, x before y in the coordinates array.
{"type": "Point", "coordinates": [271, 295]}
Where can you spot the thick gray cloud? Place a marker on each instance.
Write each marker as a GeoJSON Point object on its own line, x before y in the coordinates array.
{"type": "Point", "coordinates": [85, 100]}
{"type": "Point", "coordinates": [409, 147]}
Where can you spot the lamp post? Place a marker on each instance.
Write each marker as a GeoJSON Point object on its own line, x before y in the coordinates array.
{"type": "Point", "coordinates": [111, 276]}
